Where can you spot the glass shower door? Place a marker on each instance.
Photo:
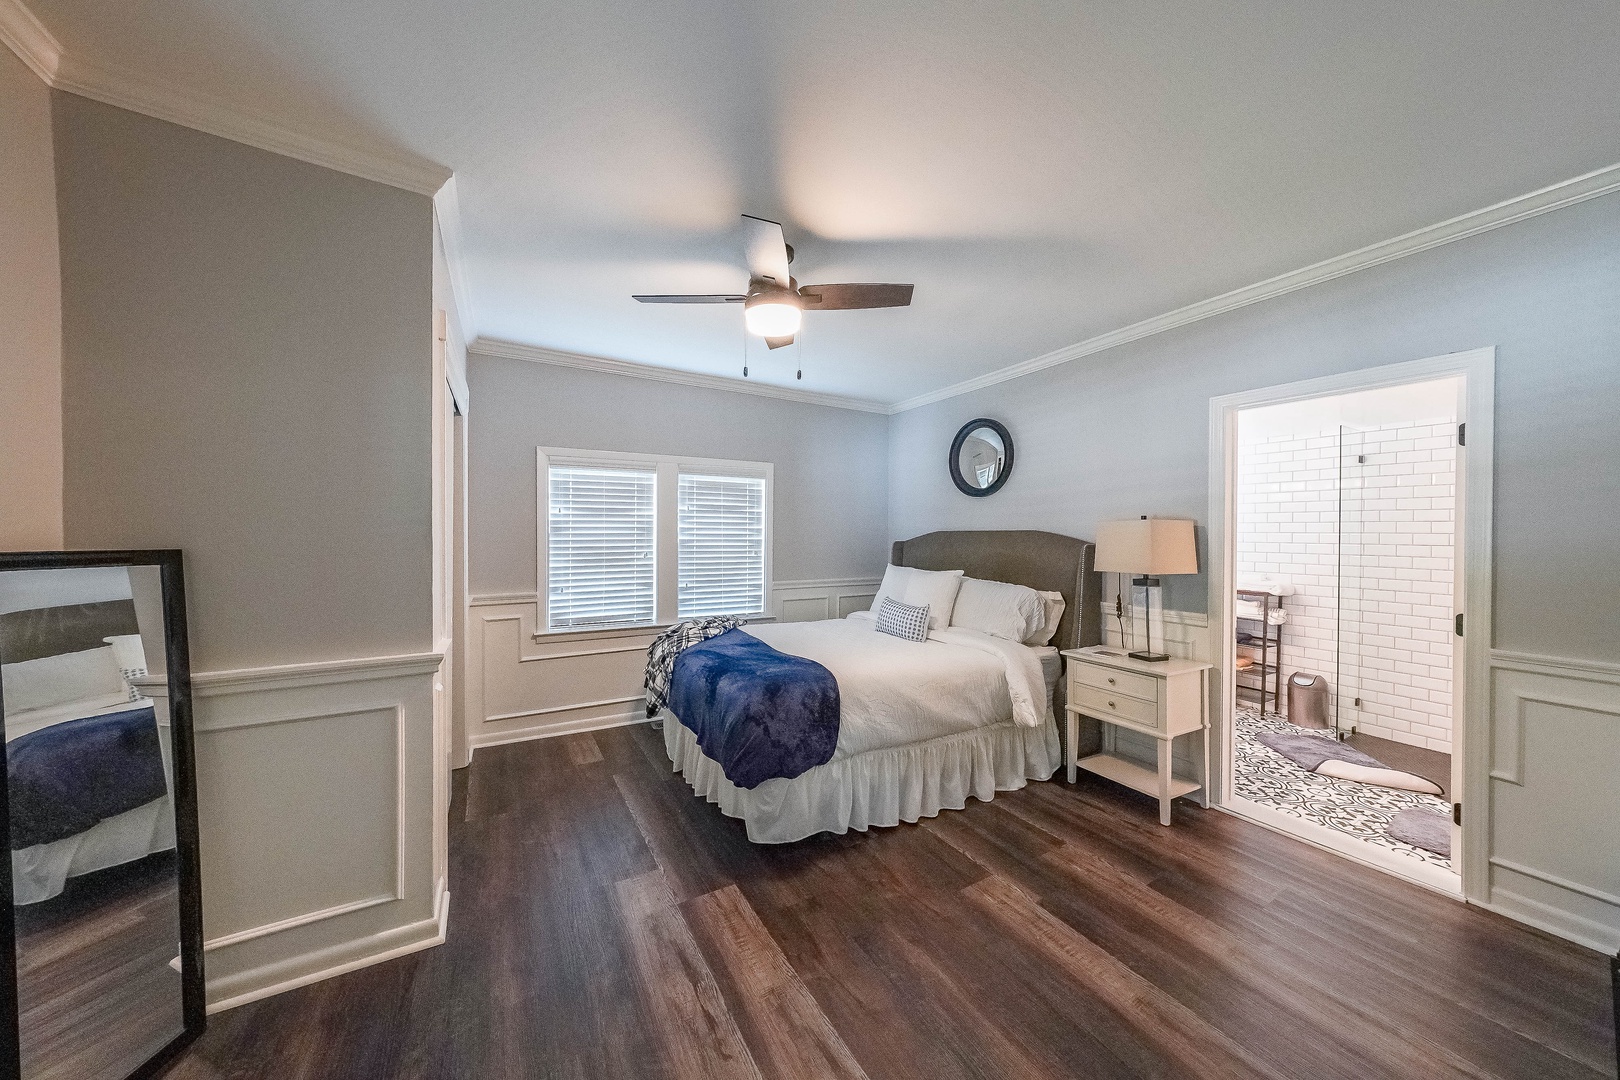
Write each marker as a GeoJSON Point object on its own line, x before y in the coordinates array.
{"type": "Point", "coordinates": [1354, 608]}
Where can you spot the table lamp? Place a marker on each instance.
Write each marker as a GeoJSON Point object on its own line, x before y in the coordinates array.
{"type": "Point", "coordinates": [1147, 548]}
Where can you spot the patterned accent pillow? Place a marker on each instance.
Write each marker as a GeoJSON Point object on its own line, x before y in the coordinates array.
{"type": "Point", "coordinates": [902, 620]}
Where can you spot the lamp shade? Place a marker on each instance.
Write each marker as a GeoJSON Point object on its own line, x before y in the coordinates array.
{"type": "Point", "coordinates": [1150, 546]}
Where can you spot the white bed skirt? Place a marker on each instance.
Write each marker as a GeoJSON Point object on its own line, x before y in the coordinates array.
{"type": "Point", "coordinates": [879, 787]}
{"type": "Point", "coordinates": [41, 872]}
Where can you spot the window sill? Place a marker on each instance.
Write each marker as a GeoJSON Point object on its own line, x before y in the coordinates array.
{"type": "Point", "coordinates": [608, 633]}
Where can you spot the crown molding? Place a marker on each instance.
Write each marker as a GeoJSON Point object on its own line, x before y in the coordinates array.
{"type": "Point", "coordinates": [114, 86]}
{"type": "Point", "coordinates": [1589, 186]}
{"type": "Point", "coordinates": [28, 38]}
{"type": "Point", "coordinates": [512, 350]}
{"type": "Point", "coordinates": [74, 74]}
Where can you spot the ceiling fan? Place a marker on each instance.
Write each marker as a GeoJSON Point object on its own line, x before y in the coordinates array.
{"type": "Point", "coordinates": [775, 302]}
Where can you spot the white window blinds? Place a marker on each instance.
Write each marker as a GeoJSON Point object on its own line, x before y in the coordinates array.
{"type": "Point", "coordinates": [721, 535]}
{"type": "Point", "coordinates": [602, 536]}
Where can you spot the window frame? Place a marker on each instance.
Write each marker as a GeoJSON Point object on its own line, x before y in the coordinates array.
{"type": "Point", "coordinates": [666, 546]}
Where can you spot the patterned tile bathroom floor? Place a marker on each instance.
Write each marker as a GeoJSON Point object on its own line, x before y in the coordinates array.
{"type": "Point", "coordinates": [1360, 810]}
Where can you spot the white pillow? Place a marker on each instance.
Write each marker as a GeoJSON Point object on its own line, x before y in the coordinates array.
{"type": "Point", "coordinates": [61, 679]}
{"type": "Point", "coordinates": [934, 588]}
{"type": "Point", "coordinates": [1000, 609]}
{"type": "Point", "coordinates": [1055, 605]}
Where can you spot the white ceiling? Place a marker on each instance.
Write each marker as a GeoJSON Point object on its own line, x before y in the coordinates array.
{"type": "Point", "coordinates": [1043, 170]}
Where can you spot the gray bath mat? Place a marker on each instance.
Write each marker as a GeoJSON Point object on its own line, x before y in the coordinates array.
{"type": "Point", "coordinates": [1309, 751]}
{"type": "Point", "coordinates": [1427, 829]}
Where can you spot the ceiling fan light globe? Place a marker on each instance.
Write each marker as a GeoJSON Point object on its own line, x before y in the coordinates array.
{"type": "Point", "coordinates": [772, 318]}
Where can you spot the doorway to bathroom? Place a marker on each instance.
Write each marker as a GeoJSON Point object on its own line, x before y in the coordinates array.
{"type": "Point", "coordinates": [1343, 574]}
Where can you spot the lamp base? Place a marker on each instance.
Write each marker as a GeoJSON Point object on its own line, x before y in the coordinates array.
{"type": "Point", "coordinates": [1150, 657]}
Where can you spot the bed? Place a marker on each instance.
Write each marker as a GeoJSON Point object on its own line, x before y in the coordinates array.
{"type": "Point", "coordinates": [87, 760]}
{"type": "Point", "coordinates": [922, 725]}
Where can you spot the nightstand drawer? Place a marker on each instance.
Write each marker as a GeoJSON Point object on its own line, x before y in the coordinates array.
{"type": "Point", "coordinates": [1114, 681]}
{"type": "Point", "coordinates": [1114, 706]}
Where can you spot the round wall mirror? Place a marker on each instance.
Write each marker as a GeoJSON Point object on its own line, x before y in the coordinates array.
{"type": "Point", "coordinates": [981, 457]}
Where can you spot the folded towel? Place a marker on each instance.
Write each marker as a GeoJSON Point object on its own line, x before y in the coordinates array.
{"type": "Point", "coordinates": [1251, 609]}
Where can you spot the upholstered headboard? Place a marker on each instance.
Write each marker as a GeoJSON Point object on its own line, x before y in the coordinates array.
{"type": "Point", "coordinates": [1040, 560]}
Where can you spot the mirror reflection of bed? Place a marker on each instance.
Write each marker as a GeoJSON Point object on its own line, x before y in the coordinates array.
{"type": "Point", "coordinates": [94, 884]}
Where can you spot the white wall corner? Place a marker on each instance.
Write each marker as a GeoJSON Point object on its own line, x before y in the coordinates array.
{"type": "Point", "coordinates": [319, 831]}
{"type": "Point", "coordinates": [447, 218]}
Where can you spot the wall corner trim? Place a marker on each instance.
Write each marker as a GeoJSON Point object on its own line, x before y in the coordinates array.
{"type": "Point", "coordinates": [29, 39]}
{"type": "Point", "coordinates": [512, 350]}
{"type": "Point", "coordinates": [1553, 197]}
{"type": "Point", "coordinates": [338, 960]}
{"type": "Point", "coordinates": [73, 73]}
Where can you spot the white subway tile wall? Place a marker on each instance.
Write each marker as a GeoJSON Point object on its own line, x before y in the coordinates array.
{"type": "Point", "coordinates": [1392, 564]}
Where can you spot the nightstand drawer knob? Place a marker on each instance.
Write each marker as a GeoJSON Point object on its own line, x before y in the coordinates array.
{"type": "Point", "coordinates": [1111, 705]}
{"type": "Point", "coordinates": [1110, 680]}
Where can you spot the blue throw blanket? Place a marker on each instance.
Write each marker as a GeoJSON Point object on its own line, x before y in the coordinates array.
{"type": "Point", "coordinates": [760, 713]}
{"type": "Point", "coordinates": [68, 777]}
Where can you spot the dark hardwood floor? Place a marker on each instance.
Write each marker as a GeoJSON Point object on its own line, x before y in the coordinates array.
{"type": "Point", "coordinates": [96, 995]}
{"type": "Point", "coordinates": [606, 923]}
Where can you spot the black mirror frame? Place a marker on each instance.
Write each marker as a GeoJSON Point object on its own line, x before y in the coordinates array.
{"type": "Point", "coordinates": [193, 996]}
{"type": "Point", "coordinates": [956, 449]}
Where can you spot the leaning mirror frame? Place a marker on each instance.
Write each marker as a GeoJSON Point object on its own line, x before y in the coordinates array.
{"type": "Point", "coordinates": [967, 486]}
{"type": "Point", "coordinates": [176, 695]}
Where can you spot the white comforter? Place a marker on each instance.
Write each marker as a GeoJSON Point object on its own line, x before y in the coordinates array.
{"type": "Point", "coordinates": [895, 692]}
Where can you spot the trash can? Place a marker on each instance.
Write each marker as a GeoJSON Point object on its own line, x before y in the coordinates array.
{"type": "Point", "coordinates": [1308, 700]}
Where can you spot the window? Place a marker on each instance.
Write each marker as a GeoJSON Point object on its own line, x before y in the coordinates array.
{"type": "Point", "coordinates": [642, 540]}
{"type": "Point", "coordinates": [722, 545]}
{"type": "Point", "coordinates": [601, 539]}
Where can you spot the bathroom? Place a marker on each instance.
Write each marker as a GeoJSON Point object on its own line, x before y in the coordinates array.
{"type": "Point", "coordinates": [1345, 558]}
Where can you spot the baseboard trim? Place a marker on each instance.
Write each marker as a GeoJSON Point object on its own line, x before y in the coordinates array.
{"type": "Point", "coordinates": [256, 932]}
{"type": "Point", "coordinates": [326, 963]}
{"type": "Point", "coordinates": [1545, 917]}
{"type": "Point", "coordinates": [547, 731]}
{"type": "Point", "coordinates": [553, 710]}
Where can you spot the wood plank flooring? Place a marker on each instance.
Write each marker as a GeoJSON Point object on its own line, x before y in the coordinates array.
{"type": "Point", "coordinates": [607, 923]}
{"type": "Point", "coordinates": [96, 994]}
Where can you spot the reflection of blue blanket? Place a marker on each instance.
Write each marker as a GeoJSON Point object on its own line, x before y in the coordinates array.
{"type": "Point", "coordinates": [758, 712]}
{"type": "Point", "coordinates": [68, 777]}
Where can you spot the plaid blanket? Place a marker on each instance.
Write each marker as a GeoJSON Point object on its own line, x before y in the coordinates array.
{"type": "Point", "coordinates": [668, 645]}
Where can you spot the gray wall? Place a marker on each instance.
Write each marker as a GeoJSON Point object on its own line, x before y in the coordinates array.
{"type": "Point", "coordinates": [1125, 432]}
{"type": "Point", "coordinates": [831, 490]}
{"type": "Point", "coordinates": [31, 313]}
{"type": "Point", "coordinates": [247, 377]}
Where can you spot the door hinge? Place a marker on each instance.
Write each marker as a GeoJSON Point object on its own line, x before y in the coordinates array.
{"type": "Point", "coordinates": [1456, 813]}
{"type": "Point", "coordinates": [1462, 434]}
{"type": "Point", "coordinates": [1459, 624]}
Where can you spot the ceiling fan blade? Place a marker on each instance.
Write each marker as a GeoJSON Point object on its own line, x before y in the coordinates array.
{"type": "Point", "coordinates": [778, 342]}
{"type": "Point", "coordinates": [694, 298]}
{"type": "Point", "coordinates": [765, 251]}
{"type": "Point", "coordinates": [858, 295]}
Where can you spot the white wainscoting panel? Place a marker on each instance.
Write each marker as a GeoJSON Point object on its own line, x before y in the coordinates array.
{"type": "Point", "coordinates": [1554, 808]}
{"type": "Point", "coordinates": [315, 798]}
{"type": "Point", "coordinates": [809, 601]}
{"type": "Point", "coordinates": [522, 684]}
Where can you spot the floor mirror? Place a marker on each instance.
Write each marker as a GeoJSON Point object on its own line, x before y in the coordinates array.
{"type": "Point", "coordinates": [101, 972]}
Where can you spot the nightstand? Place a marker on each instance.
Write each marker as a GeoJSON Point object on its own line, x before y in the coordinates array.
{"type": "Point", "coordinates": [1162, 700]}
